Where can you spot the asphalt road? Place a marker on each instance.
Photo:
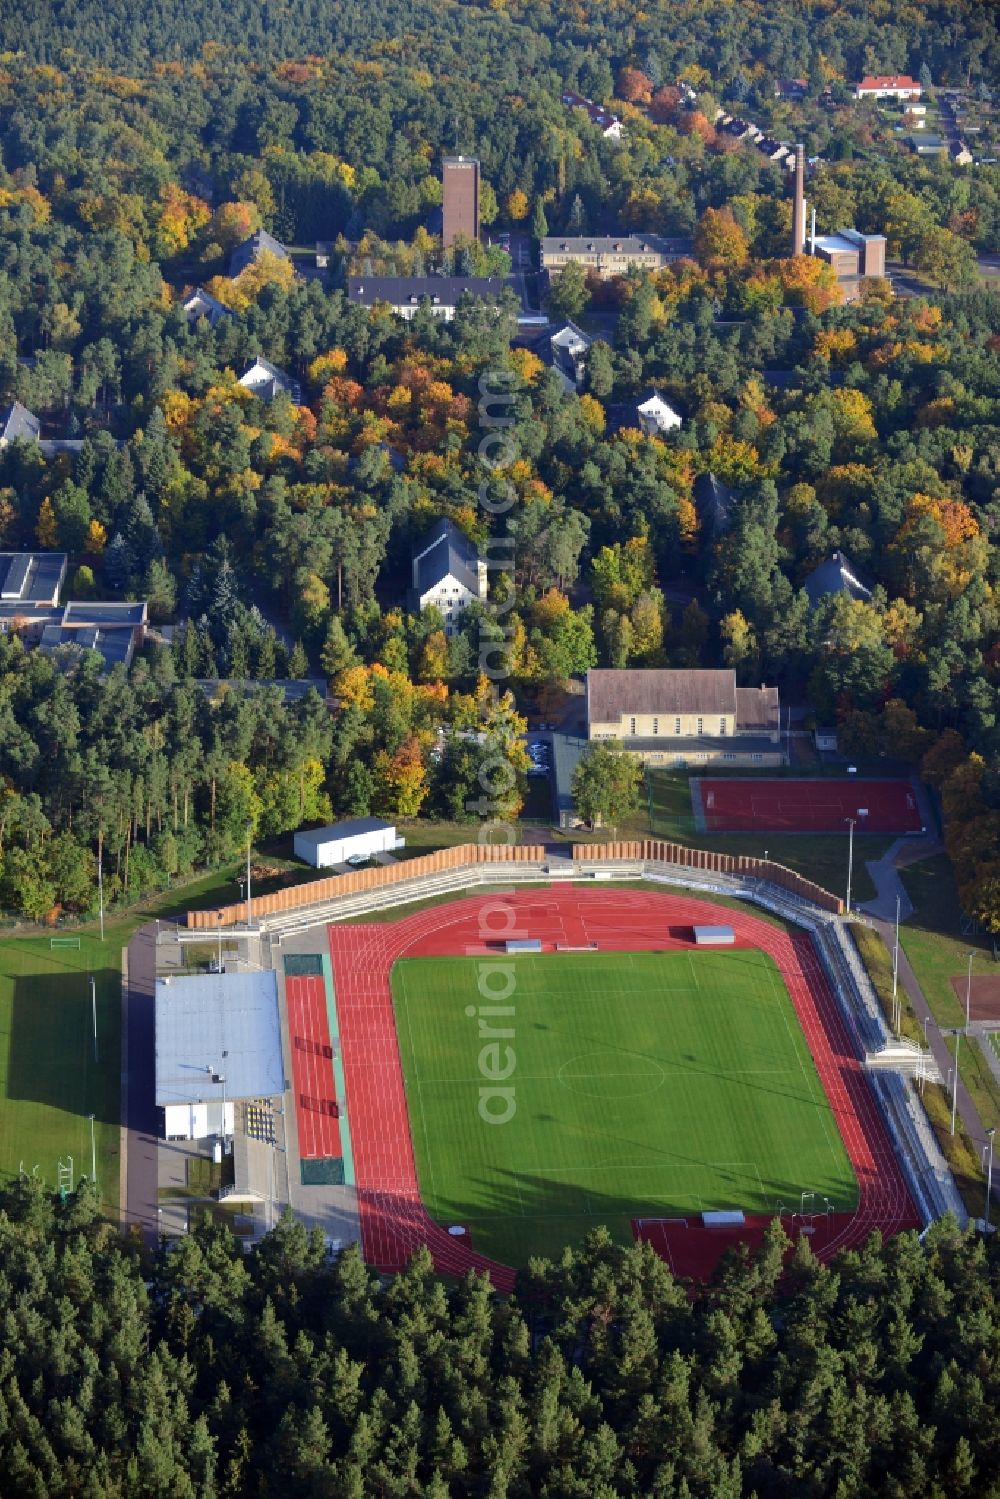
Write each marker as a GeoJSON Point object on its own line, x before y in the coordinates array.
{"type": "Point", "coordinates": [141, 1121]}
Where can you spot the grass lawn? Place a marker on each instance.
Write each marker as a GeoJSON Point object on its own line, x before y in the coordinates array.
{"type": "Point", "coordinates": [617, 1113]}
{"type": "Point", "coordinates": [819, 856]}
{"type": "Point", "coordinates": [938, 949]}
{"type": "Point", "coordinates": [49, 1080]}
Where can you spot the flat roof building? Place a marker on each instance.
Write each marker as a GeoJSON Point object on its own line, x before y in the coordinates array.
{"type": "Point", "coordinates": [31, 580]}
{"type": "Point", "coordinates": [218, 1039]}
{"type": "Point", "coordinates": [114, 630]}
{"type": "Point", "coordinates": [356, 838]}
{"type": "Point", "coordinates": [853, 256]}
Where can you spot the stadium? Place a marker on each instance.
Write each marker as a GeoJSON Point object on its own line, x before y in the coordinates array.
{"type": "Point", "coordinates": [494, 1051]}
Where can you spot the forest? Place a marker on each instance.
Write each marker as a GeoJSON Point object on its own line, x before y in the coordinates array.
{"type": "Point", "coordinates": [204, 1371]}
{"type": "Point", "coordinates": [272, 540]}
{"type": "Point", "coordinates": [856, 35]}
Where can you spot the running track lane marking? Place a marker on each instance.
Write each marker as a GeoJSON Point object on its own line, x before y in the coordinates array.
{"type": "Point", "coordinates": [393, 1219]}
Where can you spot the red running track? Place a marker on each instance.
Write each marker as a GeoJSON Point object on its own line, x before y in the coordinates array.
{"type": "Point", "coordinates": [808, 806]}
{"type": "Point", "coordinates": [393, 1219]}
{"type": "Point", "coordinates": [312, 1067]}
{"type": "Point", "coordinates": [693, 1251]}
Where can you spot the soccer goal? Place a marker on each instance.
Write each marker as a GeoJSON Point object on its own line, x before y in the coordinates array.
{"type": "Point", "coordinates": [55, 942]}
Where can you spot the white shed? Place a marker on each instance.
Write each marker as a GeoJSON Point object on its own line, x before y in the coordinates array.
{"type": "Point", "coordinates": [334, 844]}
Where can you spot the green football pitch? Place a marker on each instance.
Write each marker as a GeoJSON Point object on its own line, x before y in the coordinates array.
{"type": "Point", "coordinates": [643, 1085]}
{"type": "Point", "coordinates": [49, 1081]}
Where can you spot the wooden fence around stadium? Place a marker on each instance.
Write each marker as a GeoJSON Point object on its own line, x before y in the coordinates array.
{"type": "Point", "coordinates": [647, 850]}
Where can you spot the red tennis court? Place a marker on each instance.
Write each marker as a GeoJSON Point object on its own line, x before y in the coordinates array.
{"type": "Point", "coordinates": [808, 806]}
{"type": "Point", "coordinates": [316, 1110]}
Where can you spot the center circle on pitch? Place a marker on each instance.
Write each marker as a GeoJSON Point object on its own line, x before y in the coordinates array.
{"type": "Point", "coordinates": [611, 1074]}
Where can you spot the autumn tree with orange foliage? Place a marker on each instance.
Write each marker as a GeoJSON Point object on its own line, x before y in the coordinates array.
{"type": "Point", "coordinates": [232, 223]}
{"type": "Point", "coordinates": [401, 779]}
{"type": "Point", "coordinates": [719, 240]}
{"type": "Point", "coordinates": [634, 86]}
{"type": "Point", "coordinates": [809, 282]}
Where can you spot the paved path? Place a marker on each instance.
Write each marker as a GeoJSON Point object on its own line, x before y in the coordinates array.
{"type": "Point", "coordinates": [885, 878]}
{"type": "Point", "coordinates": [140, 1204]}
{"type": "Point", "coordinates": [942, 1055]}
{"type": "Point", "coordinates": [885, 874]}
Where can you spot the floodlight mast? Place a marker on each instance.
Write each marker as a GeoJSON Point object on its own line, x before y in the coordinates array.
{"type": "Point", "coordinates": [249, 907]}
{"type": "Point", "coordinates": [896, 1008]}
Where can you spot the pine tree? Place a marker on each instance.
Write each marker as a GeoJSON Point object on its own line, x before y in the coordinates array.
{"type": "Point", "coordinates": [539, 222]}
{"type": "Point", "coordinates": [116, 563]}
{"type": "Point", "coordinates": [298, 661]}
{"type": "Point", "coordinates": [337, 652]}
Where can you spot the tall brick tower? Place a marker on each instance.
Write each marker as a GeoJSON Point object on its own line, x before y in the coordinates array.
{"type": "Point", "coordinates": [460, 211]}
{"type": "Point", "coordinates": [799, 203]}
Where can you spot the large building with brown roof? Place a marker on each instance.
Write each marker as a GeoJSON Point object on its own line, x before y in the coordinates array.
{"type": "Point", "coordinates": [678, 717]}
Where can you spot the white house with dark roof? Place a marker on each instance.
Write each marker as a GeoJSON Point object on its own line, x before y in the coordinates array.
{"type": "Point", "coordinates": [568, 347]}
{"type": "Point", "coordinates": [265, 380]}
{"type": "Point", "coordinates": [656, 415]}
{"type": "Point", "coordinates": [448, 573]}
{"type": "Point", "coordinates": [201, 304]}
{"type": "Point", "coordinates": [405, 295]}
{"type": "Point", "coordinates": [678, 717]}
{"type": "Point", "coordinates": [17, 421]}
